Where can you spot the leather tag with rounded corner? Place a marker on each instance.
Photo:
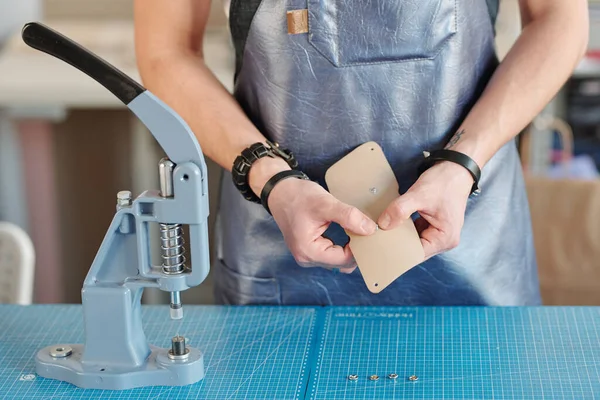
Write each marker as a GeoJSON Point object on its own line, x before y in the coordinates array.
{"type": "Point", "coordinates": [364, 179]}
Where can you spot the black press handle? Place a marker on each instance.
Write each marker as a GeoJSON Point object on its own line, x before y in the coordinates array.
{"type": "Point", "coordinates": [47, 40]}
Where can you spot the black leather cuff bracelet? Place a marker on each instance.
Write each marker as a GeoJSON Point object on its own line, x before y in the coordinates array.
{"type": "Point", "coordinates": [456, 157]}
{"type": "Point", "coordinates": [275, 179]}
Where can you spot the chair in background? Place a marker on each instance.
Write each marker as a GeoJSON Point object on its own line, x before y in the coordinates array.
{"type": "Point", "coordinates": [17, 263]}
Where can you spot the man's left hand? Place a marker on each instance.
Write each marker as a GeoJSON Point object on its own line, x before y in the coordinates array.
{"type": "Point", "coordinates": [440, 197]}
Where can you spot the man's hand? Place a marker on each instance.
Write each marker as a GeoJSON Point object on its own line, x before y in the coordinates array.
{"type": "Point", "coordinates": [303, 211]}
{"type": "Point", "coordinates": [440, 197]}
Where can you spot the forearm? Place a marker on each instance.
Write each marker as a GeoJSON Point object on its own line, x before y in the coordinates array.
{"type": "Point", "coordinates": [534, 70]}
{"type": "Point", "coordinates": [186, 84]}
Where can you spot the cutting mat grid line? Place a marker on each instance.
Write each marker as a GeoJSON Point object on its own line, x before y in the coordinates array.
{"type": "Point", "coordinates": [249, 352]}
{"type": "Point", "coordinates": [460, 353]}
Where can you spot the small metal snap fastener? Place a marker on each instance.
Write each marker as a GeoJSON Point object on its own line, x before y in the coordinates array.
{"type": "Point", "coordinates": [374, 378]}
{"type": "Point", "coordinates": [413, 378]}
{"type": "Point", "coordinates": [352, 377]}
{"type": "Point", "coordinates": [393, 376]}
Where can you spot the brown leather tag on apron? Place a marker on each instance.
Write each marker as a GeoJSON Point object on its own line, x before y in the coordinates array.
{"type": "Point", "coordinates": [297, 21]}
{"type": "Point", "coordinates": [364, 179]}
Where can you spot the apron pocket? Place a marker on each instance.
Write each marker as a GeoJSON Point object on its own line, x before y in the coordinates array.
{"type": "Point", "coordinates": [238, 288]}
{"type": "Point", "coordinates": [355, 32]}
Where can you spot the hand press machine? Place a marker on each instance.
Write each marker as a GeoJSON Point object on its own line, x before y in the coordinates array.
{"type": "Point", "coordinates": [116, 354]}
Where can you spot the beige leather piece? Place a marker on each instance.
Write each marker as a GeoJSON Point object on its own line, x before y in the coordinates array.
{"type": "Point", "coordinates": [297, 21]}
{"type": "Point", "coordinates": [365, 180]}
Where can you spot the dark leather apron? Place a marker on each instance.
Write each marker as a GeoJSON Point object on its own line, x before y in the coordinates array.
{"type": "Point", "coordinates": [404, 74]}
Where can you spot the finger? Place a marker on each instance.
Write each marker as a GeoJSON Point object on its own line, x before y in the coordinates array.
{"type": "Point", "coordinates": [352, 219]}
{"type": "Point", "coordinates": [347, 271]}
{"type": "Point", "coordinates": [430, 240]}
{"type": "Point", "coordinates": [398, 211]}
{"type": "Point", "coordinates": [436, 241]}
{"type": "Point", "coordinates": [353, 266]}
{"type": "Point", "coordinates": [323, 252]}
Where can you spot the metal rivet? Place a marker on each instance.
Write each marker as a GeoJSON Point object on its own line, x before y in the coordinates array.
{"type": "Point", "coordinates": [374, 378]}
{"type": "Point", "coordinates": [413, 378]}
{"type": "Point", "coordinates": [393, 376]}
{"type": "Point", "coordinates": [353, 377]}
{"type": "Point", "coordinates": [373, 190]}
{"type": "Point", "coordinates": [61, 351]}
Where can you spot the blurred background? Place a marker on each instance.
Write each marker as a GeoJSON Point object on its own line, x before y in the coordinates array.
{"type": "Point", "coordinates": [67, 146]}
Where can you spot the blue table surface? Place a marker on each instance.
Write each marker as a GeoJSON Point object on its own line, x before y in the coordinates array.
{"type": "Point", "coordinates": [308, 352]}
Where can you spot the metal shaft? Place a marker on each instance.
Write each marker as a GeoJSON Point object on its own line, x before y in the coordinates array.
{"type": "Point", "coordinates": [171, 237]}
{"type": "Point", "coordinates": [178, 351]}
{"type": "Point", "coordinates": [178, 345]}
{"type": "Point", "coordinates": [165, 176]}
{"type": "Point", "coordinates": [176, 309]}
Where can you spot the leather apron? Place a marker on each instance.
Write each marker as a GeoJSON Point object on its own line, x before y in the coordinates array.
{"type": "Point", "coordinates": [404, 74]}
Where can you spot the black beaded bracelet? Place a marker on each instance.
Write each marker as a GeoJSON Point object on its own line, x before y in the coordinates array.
{"type": "Point", "coordinates": [242, 164]}
{"type": "Point", "coordinates": [275, 179]}
{"type": "Point", "coordinates": [456, 157]}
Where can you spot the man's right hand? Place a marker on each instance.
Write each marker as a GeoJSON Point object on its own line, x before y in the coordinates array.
{"type": "Point", "coordinates": [303, 211]}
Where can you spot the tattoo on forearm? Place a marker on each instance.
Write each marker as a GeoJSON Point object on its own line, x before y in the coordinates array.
{"type": "Point", "coordinates": [455, 138]}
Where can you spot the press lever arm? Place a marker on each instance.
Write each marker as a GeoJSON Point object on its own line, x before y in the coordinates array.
{"type": "Point", "coordinates": [168, 128]}
{"type": "Point", "coordinates": [51, 42]}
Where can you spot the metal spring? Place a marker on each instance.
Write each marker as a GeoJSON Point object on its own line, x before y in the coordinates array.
{"type": "Point", "coordinates": [172, 248]}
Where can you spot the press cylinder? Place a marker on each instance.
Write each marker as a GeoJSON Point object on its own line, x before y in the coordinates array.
{"type": "Point", "coordinates": [171, 238]}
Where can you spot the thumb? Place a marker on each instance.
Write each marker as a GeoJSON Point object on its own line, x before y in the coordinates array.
{"type": "Point", "coordinates": [398, 211]}
{"type": "Point", "coordinates": [352, 219]}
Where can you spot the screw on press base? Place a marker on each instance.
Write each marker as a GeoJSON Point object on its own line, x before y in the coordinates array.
{"type": "Point", "coordinates": [61, 351]}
